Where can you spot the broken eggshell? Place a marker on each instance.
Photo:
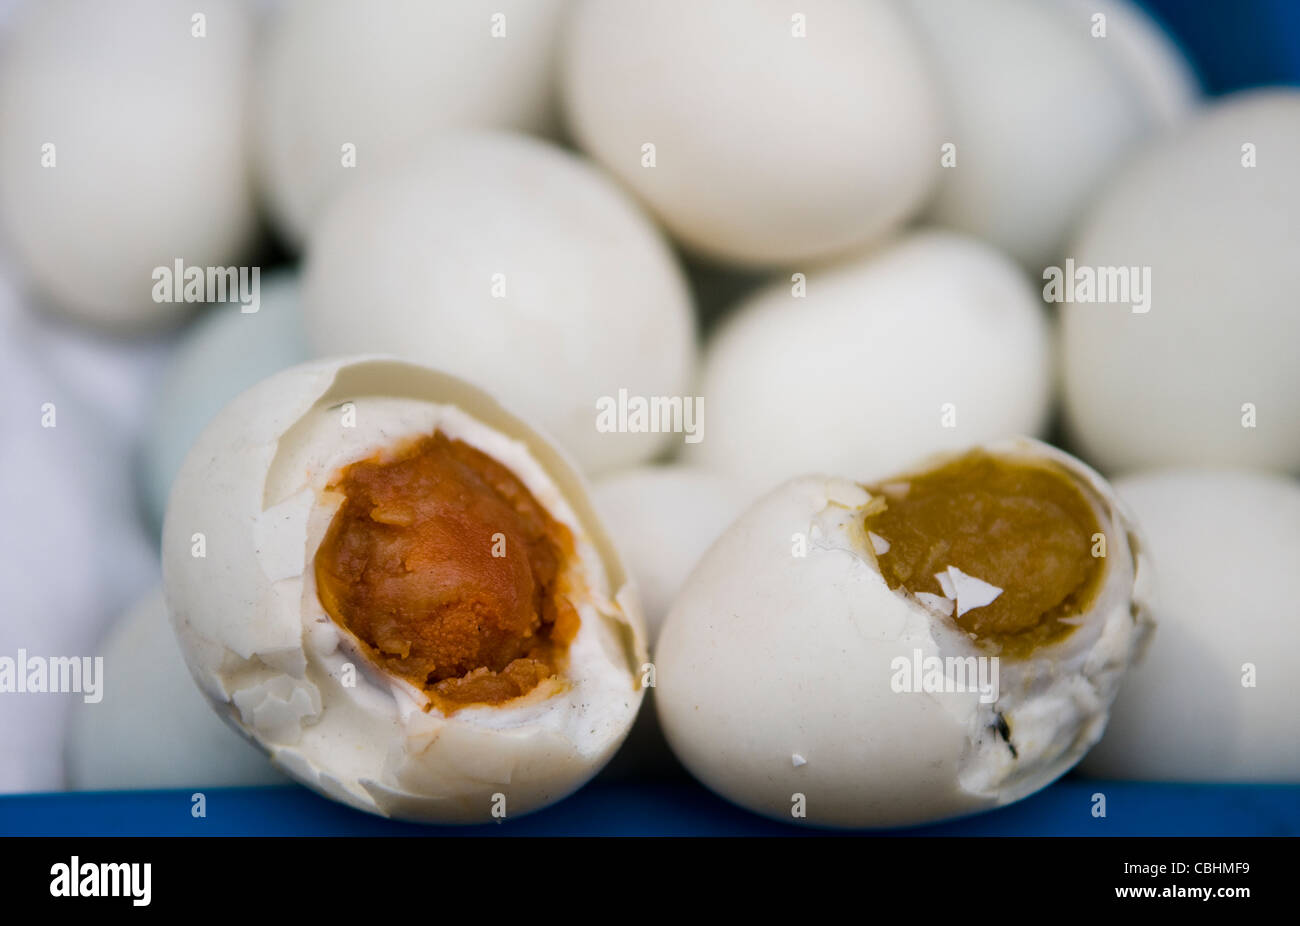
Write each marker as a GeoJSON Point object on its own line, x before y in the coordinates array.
{"type": "Point", "coordinates": [251, 498]}
{"type": "Point", "coordinates": [775, 672]}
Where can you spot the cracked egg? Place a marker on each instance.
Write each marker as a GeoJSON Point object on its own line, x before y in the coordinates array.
{"type": "Point", "coordinates": [402, 593]}
{"type": "Point", "coordinates": [899, 652]}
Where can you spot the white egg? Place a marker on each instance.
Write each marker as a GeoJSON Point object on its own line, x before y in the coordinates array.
{"type": "Point", "coordinates": [519, 267]}
{"type": "Point", "coordinates": [152, 728]}
{"type": "Point", "coordinates": [226, 352]}
{"type": "Point", "coordinates": [71, 554]}
{"type": "Point", "coordinates": [786, 674]}
{"type": "Point", "coordinates": [1155, 65]}
{"type": "Point", "coordinates": [936, 342]}
{"type": "Point", "coordinates": [758, 133]}
{"type": "Point", "coordinates": [345, 86]}
{"type": "Point", "coordinates": [113, 376]}
{"type": "Point", "coordinates": [254, 497]}
{"type": "Point", "coordinates": [1215, 698]}
{"type": "Point", "coordinates": [1207, 373]}
{"type": "Point", "coordinates": [1040, 113]}
{"type": "Point", "coordinates": [124, 150]}
{"type": "Point", "coordinates": [663, 518]}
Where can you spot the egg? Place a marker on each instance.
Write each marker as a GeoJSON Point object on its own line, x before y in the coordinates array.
{"type": "Point", "coordinates": [71, 555]}
{"type": "Point", "coordinates": [663, 518]}
{"type": "Point", "coordinates": [1154, 63]}
{"type": "Point", "coordinates": [517, 266]}
{"type": "Point", "coordinates": [124, 150]}
{"type": "Point", "coordinates": [758, 133]}
{"type": "Point", "coordinates": [226, 352]}
{"type": "Point", "coordinates": [814, 670]}
{"type": "Point", "coordinates": [111, 375]}
{"type": "Point", "coordinates": [933, 343]}
{"type": "Point", "coordinates": [1214, 699]}
{"type": "Point", "coordinates": [1201, 369]}
{"type": "Point", "coordinates": [152, 728]}
{"type": "Point", "coordinates": [344, 87]}
{"type": "Point", "coordinates": [1039, 113]}
{"type": "Point", "coordinates": [401, 593]}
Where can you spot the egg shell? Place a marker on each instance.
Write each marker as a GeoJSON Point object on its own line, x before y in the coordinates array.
{"type": "Point", "coordinates": [1206, 375]}
{"type": "Point", "coordinates": [153, 729]}
{"type": "Point", "coordinates": [147, 123]}
{"type": "Point", "coordinates": [1215, 698]}
{"type": "Point", "coordinates": [1152, 59]}
{"type": "Point", "coordinates": [770, 146]}
{"type": "Point", "coordinates": [380, 76]}
{"type": "Point", "coordinates": [262, 648]}
{"type": "Point", "coordinates": [663, 518]}
{"type": "Point", "coordinates": [855, 376]}
{"type": "Point", "coordinates": [1039, 113]}
{"type": "Point", "coordinates": [224, 353]}
{"type": "Point", "coordinates": [774, 671]}
{"type": "Point", "coordinates": [517, 266]}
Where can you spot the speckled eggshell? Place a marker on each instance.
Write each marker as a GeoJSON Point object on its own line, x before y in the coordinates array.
{"type": "Point", "coordinates": [775, 671]}
{"type": "Point", "coordinates": [379, 76]}
{"type": "Point", "coordinates": [226, 352]}
{"type": "Point", "coordinates": [781, 133]}
{"type": "Point", "coordinates": [1183, 383]}
{"type": "Point", "coordinates": [153, 729]}
{"type": "Point", "coordinates": [262, 648]}
{"type": "Point", "coordinates": [855, 376]}
{"type": "Point", "coordinates": [151, 166]}
{"type": "Point", "coordinates": [1040, 113]}
{"type": "Point", "coordinates": [1215, 698]}
{"type": "Point", "coordinates": [518, 266]}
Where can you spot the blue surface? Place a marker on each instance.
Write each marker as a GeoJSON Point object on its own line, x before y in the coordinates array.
{"type": "Point", "coordinates": [677, 809]}
{"type": "Point", "coordinates": [1234, 44]}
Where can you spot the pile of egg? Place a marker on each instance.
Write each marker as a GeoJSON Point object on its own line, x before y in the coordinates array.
{"type": "Point", "coordinates": [833, 232]}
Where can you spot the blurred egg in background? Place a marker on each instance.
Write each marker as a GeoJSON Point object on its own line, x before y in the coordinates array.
{"type": "Point", "coordinates": [933, 343]}
{"type": "Point", "coordinates": [518, 266]}
{"type": "Point", "coordinates": [124, 148]}
{"type": "Point", "coordinates": [1040, 112]}
{"type": "Point", "coordinates": [1215, 697]}
{"type": "Point", "coordinates": [157, 730]}
{"type": "Point", "coordinates": [343, 87]}
{"type": "Point", "coordinates": [663, 518]}
{"type": "Point", "coordinates": [1202, 369]}
{"type": "Point", "coordinates": [222, 354]}
{"type": "Point", "coordinates": [757, 134]}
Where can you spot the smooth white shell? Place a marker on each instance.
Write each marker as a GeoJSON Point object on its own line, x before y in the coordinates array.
{"type": "Point", "coordinates": [1224, 545]}
{"type": "Point", "coordinates": [381, 76]}
{"type": "Point", "coordinates": [517, 266]}
{"type": "Point", "coordinates": [663, 518]}
{"type": "Point", "coordinates": [1039, 113]}
{"type": "Point", "coordinates": [262, 648]}
{"type": "Point", "coordinates": [148, 127]}
{"type": "Point", "coordinates": [768, 655]}
{"type": "Point", "coordinates": [1180, 383]}
{"type": "Point", "coordinates": [770, 147]}
{"type": "Point", "coordinates": [934, 343]}
{"type": "Point", "coordinates": [1155, 65]}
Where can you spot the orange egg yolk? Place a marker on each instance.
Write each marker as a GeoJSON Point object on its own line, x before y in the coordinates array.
{"type": "Point", "coordinates": [449, 573]}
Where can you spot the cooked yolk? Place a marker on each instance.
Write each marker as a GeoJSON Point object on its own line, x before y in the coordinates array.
{"type": "Point", "coordinates": [1026, 529]}
{"type": "Point", "coordinates": [449, 572]}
